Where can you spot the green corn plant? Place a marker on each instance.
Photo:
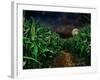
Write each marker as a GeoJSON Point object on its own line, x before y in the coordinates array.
{"type": "Point", "coordinates": [40, 45]}
{"type": "Point", "coordinates": [80, 44]}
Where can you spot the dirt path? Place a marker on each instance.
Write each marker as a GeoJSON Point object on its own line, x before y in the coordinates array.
{"type": "Point", "coordinates": [65, 59]}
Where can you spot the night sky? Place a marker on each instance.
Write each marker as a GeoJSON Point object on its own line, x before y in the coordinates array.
{"type": "Point", "coordinates": [57, 19]}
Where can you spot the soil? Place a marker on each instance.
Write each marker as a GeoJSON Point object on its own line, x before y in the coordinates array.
{"type": "Point", "coordinates": [65, 59]}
